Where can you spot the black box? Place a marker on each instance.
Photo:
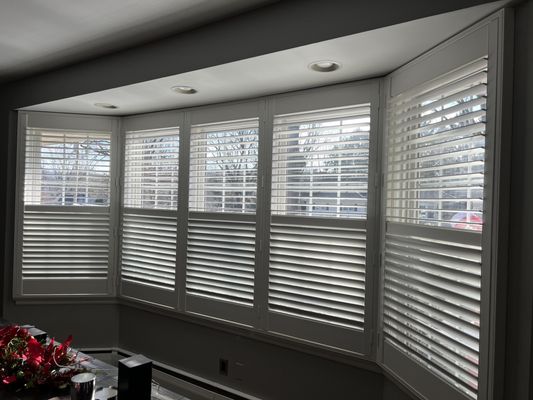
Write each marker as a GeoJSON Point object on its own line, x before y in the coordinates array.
{"type": "Point", "coordinates": [38, 334]}
{"type": "Point", "coordinates": [135, 378]}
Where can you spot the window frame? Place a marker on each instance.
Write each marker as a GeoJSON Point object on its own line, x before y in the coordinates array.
{"type": "Point", "coordinates": [66, 122]}
{"type": "Point", "coordinates": [354, 93]}
{"type": "Point", "coordinates": [219, 310]}
{"type": "Point", "coordinates": [486, 37]}
{"type": "Point", "coordinates": [138, 123]}
{"type": "Point", "coordinates": [494, 295]}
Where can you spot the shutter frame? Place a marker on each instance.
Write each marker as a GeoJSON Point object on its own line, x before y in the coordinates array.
{"type": "Point", "coordinates": [39, 286]}
{"type": "Point", "coordinates": [364, 97]}
{"type": "Point", "coordinates": [221, 253]}
{"type": "Point", "coordinates": [149, 215]}
{"type": "Point", "coordinates": [393, 360]}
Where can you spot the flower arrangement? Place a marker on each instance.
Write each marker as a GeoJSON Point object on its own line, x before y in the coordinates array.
{"type": "Point", "coordinates": [25, 363]}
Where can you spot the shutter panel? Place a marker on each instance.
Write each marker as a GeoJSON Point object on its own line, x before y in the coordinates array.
{"type": "Point", "coordinates": [223, 171]}
{"type": "Point", "coordinates": [221, 259]}
{"type": "Point", "coordinates": [66, 221]}
{"type": "Point", "coordinates": [151, 169]}
{"type": "Point", "coordinates": [149, 248]}
{"type": "Point", "coordinates": [434, 214]}
{"type": "Point", "coordinates": [437, 150]}
{"type": "Point", "coordinates": [318, 272]}
{"type": "Point", "coordinates": [432, 305]}
{"type": "Point", "coordinates": [67, 168]}
{"type": "Point", "coordinates": [320, 162]}
{"type": "Point", "coordinates": [65, 244]}
{"type": "Point", "coordinates": [149, 228]}
{"type": "Point", "coordinates": [221, 240]}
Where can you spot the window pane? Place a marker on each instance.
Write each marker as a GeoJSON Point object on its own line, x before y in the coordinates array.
{"type": "Point", "coordinates": [320, 163]}
{"type": "Point", "coordinates": [223, 174]}
{"type": "Point", "coordinates": [67, 168]}
{"type": "Point", "coordinates": [151, 169]}
{"type": "Point", "coordinates": [437, 152]}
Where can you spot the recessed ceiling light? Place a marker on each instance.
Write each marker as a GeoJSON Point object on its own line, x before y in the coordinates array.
{"type": "Point", "coordinates": [324, 66]}
{"type": "Point", "coordinates": [105, 105]}
{"type": "Point", "coordinates": [184, 89]}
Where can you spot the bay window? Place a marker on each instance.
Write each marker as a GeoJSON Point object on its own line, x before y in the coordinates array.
{"type": "Point", "coordinates": [356, 217]}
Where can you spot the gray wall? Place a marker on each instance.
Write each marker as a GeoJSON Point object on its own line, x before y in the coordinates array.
{"type": "Point", "coordinates": [196, 347]}
{"type": "Point", "coordinates": [92, 325]}
{"type": "Point", "coordinates": [393, 392]}
{"type": "Point", "coordinates": [269, 371]}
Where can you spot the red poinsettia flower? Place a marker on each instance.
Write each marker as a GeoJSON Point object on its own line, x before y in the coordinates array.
{"type": "Point", "coordinates": [9, 379]}
{"type": "Point", "coordinates": [24, 362]}
{"type": "Point", "coordinates": [34, 352]}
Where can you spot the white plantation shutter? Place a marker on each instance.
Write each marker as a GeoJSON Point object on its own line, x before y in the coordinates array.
{"type": "Point", "coordinates": [320, 163]}
{"type": "Point", "coordinates": [434, 218]}
{"type": "Point", "coordinates": [66, 235]}
{"type": "Point", "coordinates": [318, 272]}
{"type": "Point", "coordinates": [436, 151]}
{"type": "Point", "coordinates": [221, 252]}
{"type": "Point", "coordinates": [223, 171]}
{"type": "Point", "coordinates": [432, 302]}
{"type": "Point", "coordinates": [149, 230]}
{"type": "Point", "coordinates": [318, 231]}
{"type": "Point", "coordinates": [221, 258]}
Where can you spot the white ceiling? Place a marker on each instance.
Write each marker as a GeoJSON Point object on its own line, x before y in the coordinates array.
{"type": "Point", "coordinates": [39, 34]}
{"type": "Point", "coordinates": [363, 55]}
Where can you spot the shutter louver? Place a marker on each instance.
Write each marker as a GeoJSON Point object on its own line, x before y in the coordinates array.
{"type": "Point", "coordinates": [66, 214]}
{"type": "Point", "coordinates": [318, 272]}
{"type": "Point", "coordinates": [149, 248]}
{"type": "Point", "coordinates": [65, 244]}
{"type": "Point", "coordinates": [437, 149]}
{"type": "Point", "coordinates": [320, 163]}
{"type": "Point", "coordinates": [67, 168]}
{"type": "Point", "coordinates": [151, 169]}
{"type": "Point", "coordinates": [432, 305]}
{"type": "Point", "coordinates": [221, 259]}
{"type": "Point", "coordinates": [223, 171]}
{"type": "Point", "coordinates": [434, 213]}
{"type": "Point", "coordinates": [149, 218]}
